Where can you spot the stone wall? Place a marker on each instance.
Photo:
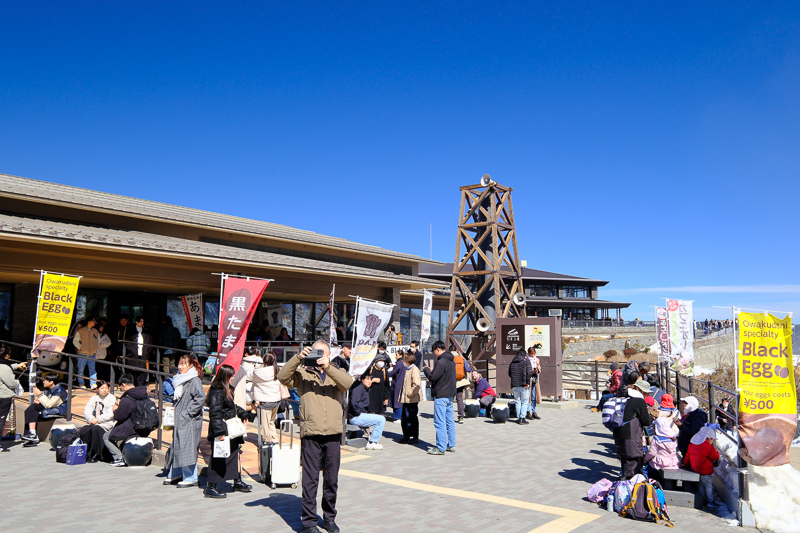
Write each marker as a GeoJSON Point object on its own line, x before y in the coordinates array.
{"type": "Point", "coordinates": [602, 346]}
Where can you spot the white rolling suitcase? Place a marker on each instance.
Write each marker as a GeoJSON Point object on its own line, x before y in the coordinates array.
{"type": "Point", "coordinates": [279, 464]}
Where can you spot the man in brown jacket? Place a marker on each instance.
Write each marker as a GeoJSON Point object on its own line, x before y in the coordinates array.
{"type": "Point", "coordinates": [321, 389]}
{"type": "Point", "coordinates": [86, 341]}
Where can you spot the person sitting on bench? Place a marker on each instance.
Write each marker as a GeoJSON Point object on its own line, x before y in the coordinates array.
{"type": "Point", "coordinates": [483, 392]}
{"type": "Point", "coordinates": [358, 412]}
{"type": "Point", "coordinates": [123, 429]}
{"type": "Point", "coordinates": [49, 403]}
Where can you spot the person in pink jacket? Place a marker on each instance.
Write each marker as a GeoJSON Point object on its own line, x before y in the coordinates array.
{"type": "Point", "coordinates": [663, 452]}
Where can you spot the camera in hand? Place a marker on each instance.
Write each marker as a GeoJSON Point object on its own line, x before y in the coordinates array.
{"type": "Point", "coordinates": [313, 357]}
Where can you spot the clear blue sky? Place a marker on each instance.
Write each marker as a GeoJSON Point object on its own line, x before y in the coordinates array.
{"type": "Point", "coordinates": [652, 144]}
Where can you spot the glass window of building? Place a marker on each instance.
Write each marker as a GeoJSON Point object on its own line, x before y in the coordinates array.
{"type": "Point", "coordinates": [405, 323]}
{"type": "Point", "coordinates": [178, 316]}
{"type": "Point", "coordinates": [543, 291]}
{"type": "Point", "coordinates": [416, 325]}
{"type": "Point", "coordinates": [576, 292]}
{"type": "Point", "coordinates": [5, 314]}
{"type": "Point", "coordinates": [303, 327]}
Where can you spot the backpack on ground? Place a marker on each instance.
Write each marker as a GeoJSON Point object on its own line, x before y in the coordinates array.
{"type": "Point", "coordinates": [613, 413]}
{"type": "Point", "coordinates": [622, 495]}
{"type": "Point", "coordinates": [598, 492]}
{"type": "Point", "coordinates": [62, 446]}
{"type": "Point", "coordinates": [145, 417]}
{"type": "Point", "coordinates": [460, 372]}
{"type": "Point", "coordinates": [647, 504]}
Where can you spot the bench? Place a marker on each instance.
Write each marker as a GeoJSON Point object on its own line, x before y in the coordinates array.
{"type": "Point", "coordinates": [355, 436]}
{"type": "Point", "coordinates": [680, 488]}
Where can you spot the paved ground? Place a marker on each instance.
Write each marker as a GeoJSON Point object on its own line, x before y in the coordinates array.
{"type": "Point", "coordinates": [505, 478]}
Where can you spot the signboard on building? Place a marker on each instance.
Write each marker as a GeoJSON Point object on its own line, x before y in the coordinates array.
{"type": "Point", "coordinates": [539, 337]}
{"type": "Point", "coordinates": [193, 308]}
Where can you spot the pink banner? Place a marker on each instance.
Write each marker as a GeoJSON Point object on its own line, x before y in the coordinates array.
{"type": "Point", "coordinates": [240, 299]}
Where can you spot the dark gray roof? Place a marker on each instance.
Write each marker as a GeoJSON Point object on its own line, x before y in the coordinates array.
{"type": "Point", "coordinates": [556, 303]}
{"type": "Point", "coordinates": [78, 198]}
{"type": "Point", "coordinates": [14, 225]}
{"type": "Point", "coordinates": [446, 270]}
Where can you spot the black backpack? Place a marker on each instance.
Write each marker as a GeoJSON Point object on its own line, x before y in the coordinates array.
{"type": "Point", "coordinates": [145, 417]}
{"type": "Point", "coordinates": [62, 446]}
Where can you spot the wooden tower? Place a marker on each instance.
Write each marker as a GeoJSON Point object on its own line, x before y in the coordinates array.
{"type": "Point", "coordinates": [487, 277]}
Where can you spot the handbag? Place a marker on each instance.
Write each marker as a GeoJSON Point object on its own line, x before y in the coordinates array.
{"type": "Point", "coordinates": [222, 448]}
{"type": "Point", "coordinates": [169, 418]}
{"type": "Point", "coordinates": [285, 392]}
{"type": "Point", "coordinates": [235, 428]}
{"type": "Point", "coordinates": [76, 453]}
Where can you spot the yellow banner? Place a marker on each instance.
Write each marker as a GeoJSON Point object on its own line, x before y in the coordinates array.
{"type": "Point", "coordinates": [54, 316]}
{"type": "Point", "coordinates": [766, 372]}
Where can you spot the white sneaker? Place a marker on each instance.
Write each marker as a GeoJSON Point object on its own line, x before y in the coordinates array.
{"type": "Point", "coordinates": [398, 421]}
{"type": "Point", "coordinates": [374, 446]}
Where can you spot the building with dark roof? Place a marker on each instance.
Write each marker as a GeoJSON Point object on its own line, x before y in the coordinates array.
{"type": "Point", "coordinates": [137, 257]}
{"type": "Point", "coordinates": [576, 297]}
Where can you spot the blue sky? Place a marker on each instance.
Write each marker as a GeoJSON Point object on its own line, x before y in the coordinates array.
{"type": "Point", "coordinates": [652, 144]}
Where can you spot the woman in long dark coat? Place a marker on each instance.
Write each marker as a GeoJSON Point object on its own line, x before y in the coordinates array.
{"type": "Point", "coordinates": [398, 375]}
{"type": "Point", "coordinates": [189, 398]}
{"type": "Point", "coordinates": [379, 391]}
{"type": "Point", "coordinates": [221, 408]}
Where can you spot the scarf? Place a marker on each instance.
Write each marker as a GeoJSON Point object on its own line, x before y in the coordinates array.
{"type": "Point", "coordinates": [180, 379]}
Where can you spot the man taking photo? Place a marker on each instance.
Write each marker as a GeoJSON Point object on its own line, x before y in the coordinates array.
{"type": "Point", "coordinates": [321, 387]}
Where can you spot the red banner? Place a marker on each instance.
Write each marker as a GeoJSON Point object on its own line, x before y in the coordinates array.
{"type": "Point", "coordinates": [240, 299]}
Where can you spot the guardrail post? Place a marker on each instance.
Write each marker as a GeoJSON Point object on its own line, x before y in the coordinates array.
{"type": "Point", "coordinates": [596, 382]}
{"type": "Point", "coordinates": [69, 388]}
{"type": "Point", "coordinates": [711, 406]}
{"type": "Point", "coordinates": [159, 391]}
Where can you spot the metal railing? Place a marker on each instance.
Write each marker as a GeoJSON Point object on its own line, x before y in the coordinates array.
{"type": "Point", "coordinates": [67, 375]}
{"type": "Point", "coordinates": [605, 323]}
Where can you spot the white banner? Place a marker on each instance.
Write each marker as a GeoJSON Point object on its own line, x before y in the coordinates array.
{"type": "Point", "coordinates": [681, 331]}
{"type": "Point", "coordinates": [371, 319]}
{"type": "Point", "coordinates": [193, 307]}
{"type": "Point", "coordinates": [427, 306]}
{"type": "Point", "coordinates": [332, 334]}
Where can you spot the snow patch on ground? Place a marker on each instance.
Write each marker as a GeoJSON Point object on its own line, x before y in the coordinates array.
{"type": "Point", "coordinates": [775, 497]}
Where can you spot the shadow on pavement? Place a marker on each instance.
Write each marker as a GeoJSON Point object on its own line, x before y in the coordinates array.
{"type": "Point", "coordinates": [592, 471]}
{"type": "Point", "coordinates": [287, 506]}
{"type": "Point", "coordinates": [598, 435]}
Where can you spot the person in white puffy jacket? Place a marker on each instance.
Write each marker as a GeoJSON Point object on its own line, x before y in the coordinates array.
{"type": "Point", "coordinates": [99, 415]}
{"type": "Point", "coordinates": [267, 395]}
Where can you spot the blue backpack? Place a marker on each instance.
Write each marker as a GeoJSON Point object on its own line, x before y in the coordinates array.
{"type": "Point", "coordinates": [613, 413]}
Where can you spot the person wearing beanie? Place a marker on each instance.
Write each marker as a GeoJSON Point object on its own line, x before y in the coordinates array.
{"type": "Point", "coordinates": [663, 451]}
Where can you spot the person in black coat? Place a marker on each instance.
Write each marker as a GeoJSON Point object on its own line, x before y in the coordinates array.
{"type": "Point", "coordinates": [379, 391]}
{"type": "Point", "coordinates": [221, 408]}
{"type": "Point", "coordinates": [520, 371]}
{"type": "Point", "coordinates": [628, 438]}
{"type": "Point", "coordinates": [693, 418]}
{"type": "Point", "coordinates": [122, 415]}
{"type": "Point", "coordinates": [443, 389]}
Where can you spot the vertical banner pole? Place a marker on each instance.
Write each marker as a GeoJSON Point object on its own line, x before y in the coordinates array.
{"type": "Point", "coordinates": [355, 323]}
{"type": "Point", "coordinates": [332, 339]}
{"type": "Point", "coordinates": [222, 278]}
{"type": "Point", "coordinates": [32, 366]}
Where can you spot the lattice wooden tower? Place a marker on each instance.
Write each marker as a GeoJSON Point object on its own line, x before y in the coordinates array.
{"type": "Point", "coordinates": [487, 274]}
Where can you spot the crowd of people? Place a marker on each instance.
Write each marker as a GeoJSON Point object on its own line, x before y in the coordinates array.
{"type": "Point", "coordinates": [658, 435]}
{"type": "Point", "coordinates": [389, 391]}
